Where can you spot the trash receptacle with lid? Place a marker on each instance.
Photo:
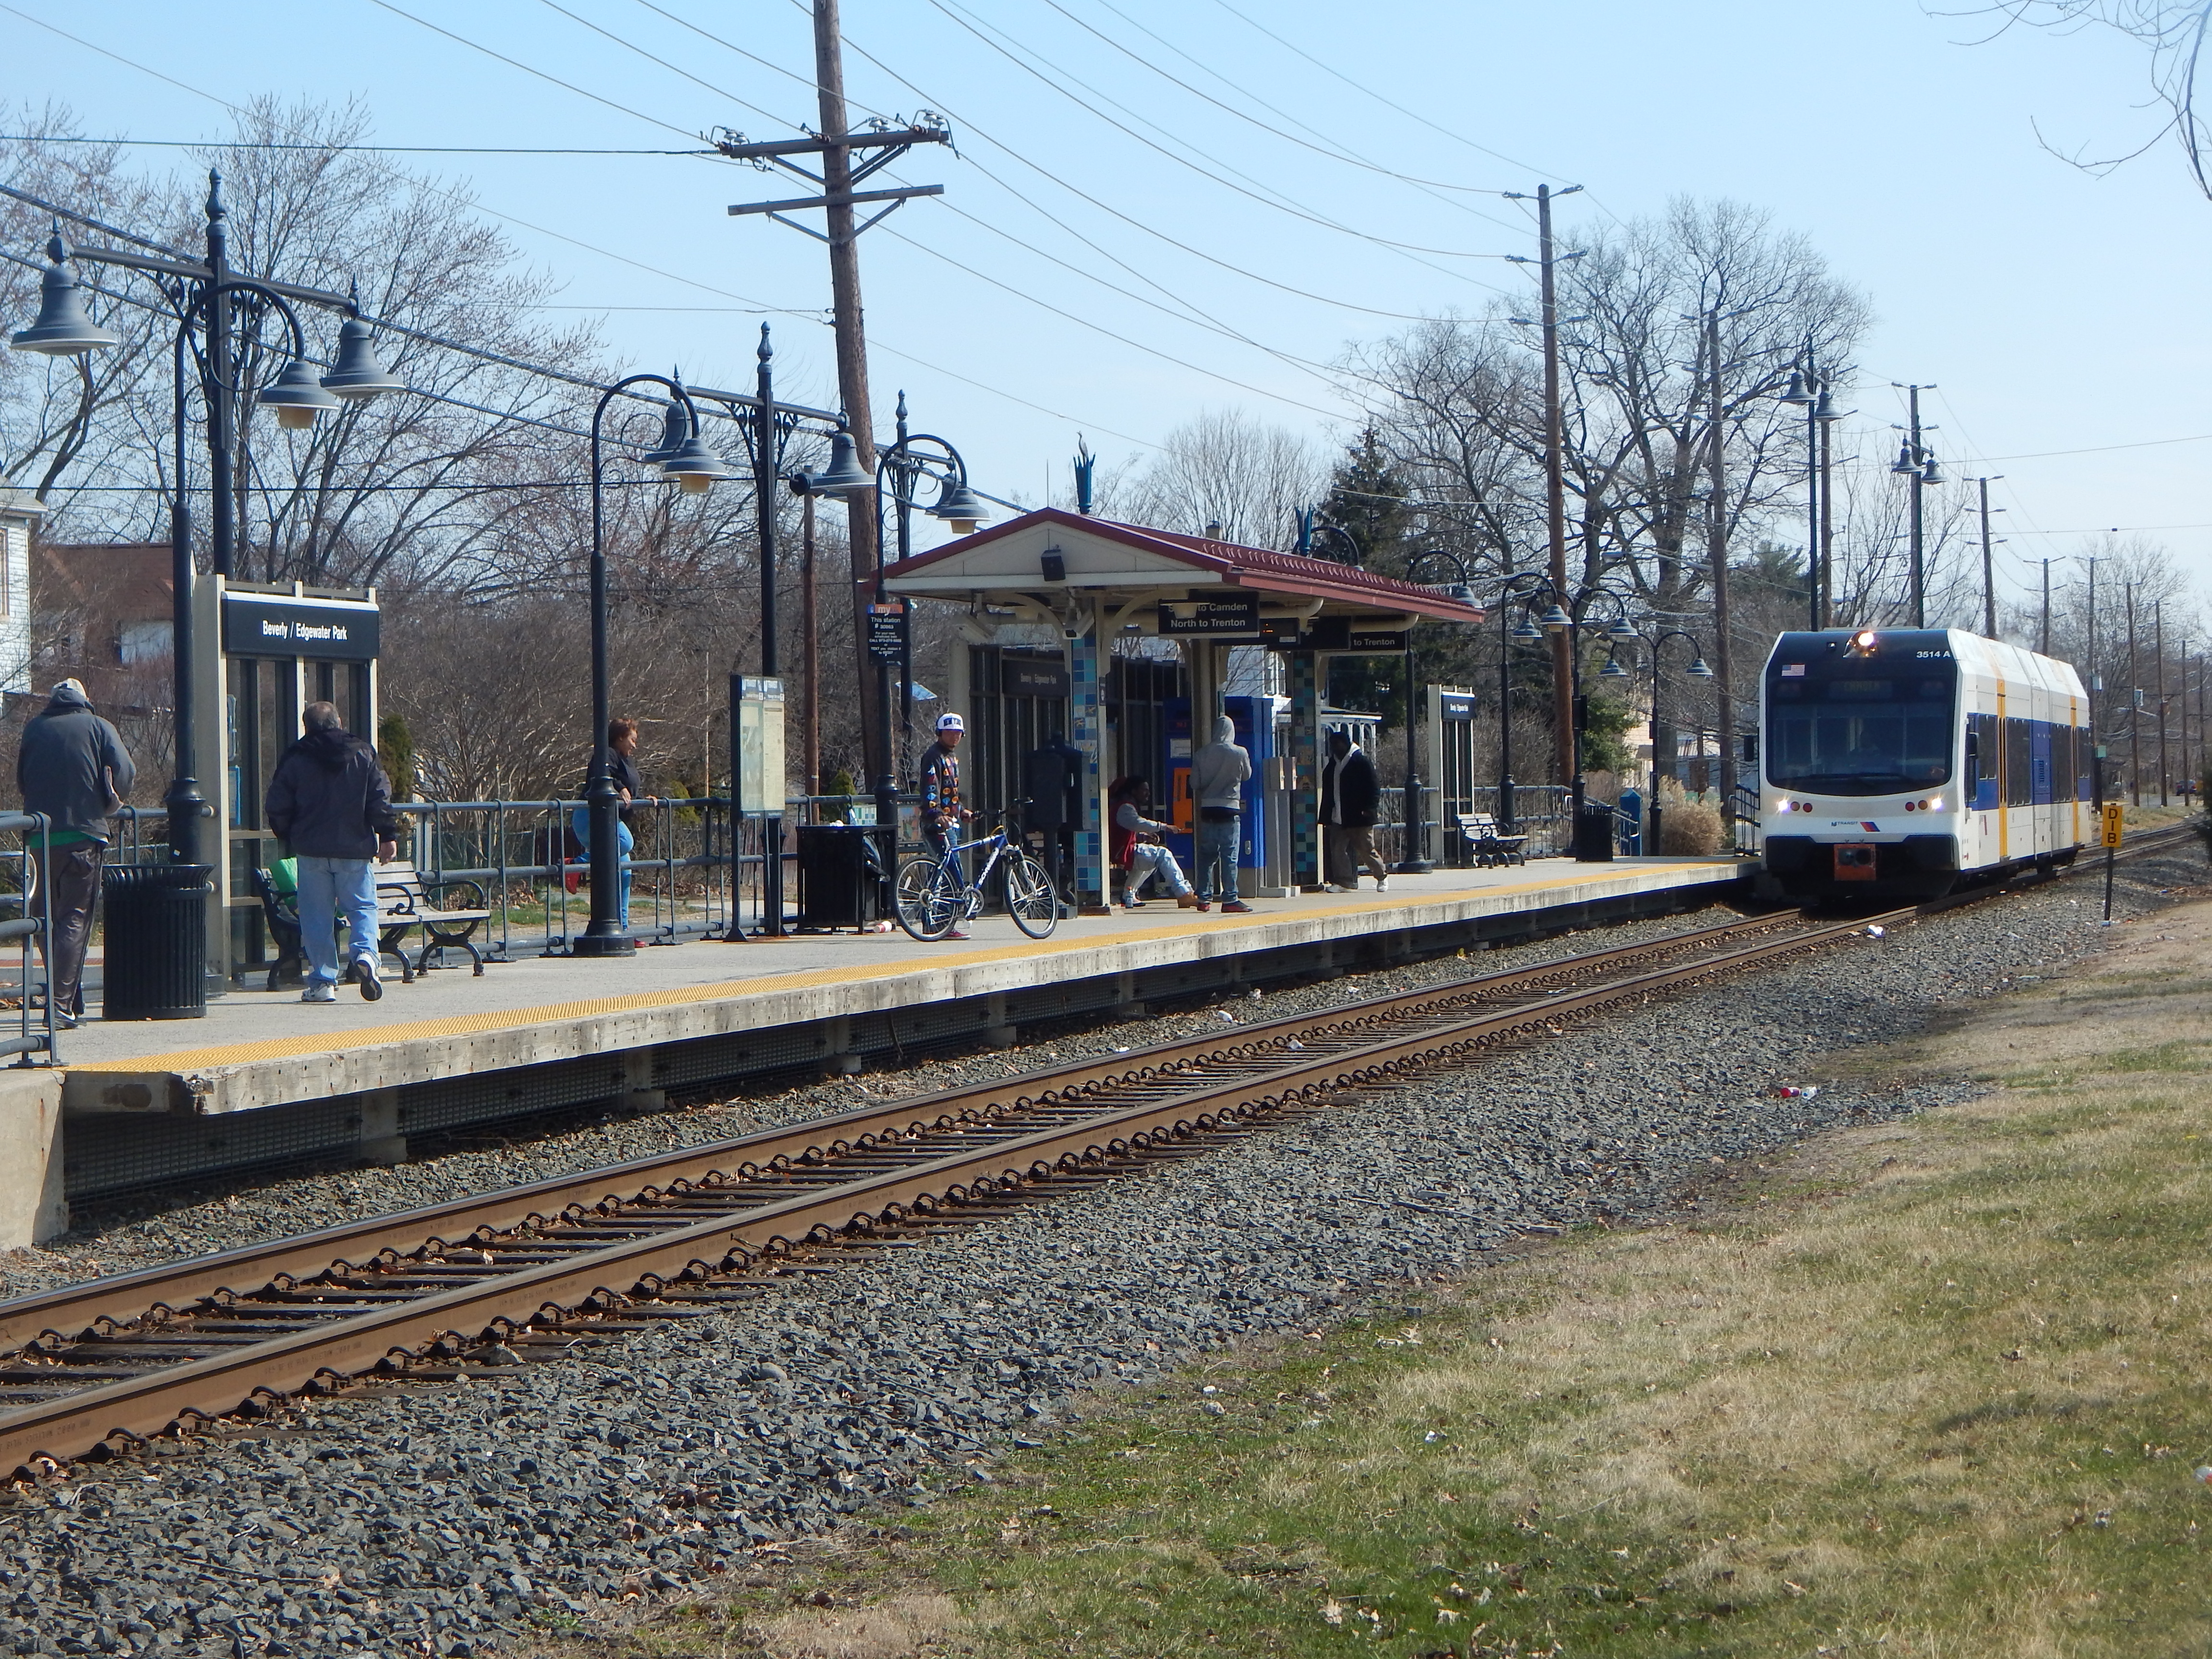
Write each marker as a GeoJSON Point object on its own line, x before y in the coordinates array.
{"type": "Point", "coordinates": [840, 876]}
{"type": "Point", "coordinates": [154, 938]}
{"type": "Point", "coordinates": [1594, 833]}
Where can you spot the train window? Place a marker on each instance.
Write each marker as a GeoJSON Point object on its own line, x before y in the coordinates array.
{"type": "Point", "coordinates": [1860, 734]}
{"type": "Point", "coordinates": [2018, 765]}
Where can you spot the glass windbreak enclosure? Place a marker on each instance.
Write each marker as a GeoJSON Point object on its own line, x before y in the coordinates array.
{"type": "Point", "coordinates": [1860, 728]}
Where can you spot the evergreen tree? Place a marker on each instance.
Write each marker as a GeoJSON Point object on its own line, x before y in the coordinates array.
{"type": "Point", "coordinates": [1366, 500]}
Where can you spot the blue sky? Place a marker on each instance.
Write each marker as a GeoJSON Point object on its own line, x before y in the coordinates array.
{"type": "Point", "coordinates": [2056, 312]}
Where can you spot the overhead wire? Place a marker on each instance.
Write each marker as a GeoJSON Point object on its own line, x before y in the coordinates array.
{"type": "Point", "coordinates": [632, 46]}
{"type": "Point", "coordinates": [970, 125]}
{"type": "Point", "coordinates": [1429, 186]}
{"type": "Point", "coordinates": [342, 149]}
{"type": "Point", "coordinates": [1281, 203]}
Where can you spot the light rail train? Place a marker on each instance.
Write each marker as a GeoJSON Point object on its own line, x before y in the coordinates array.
{"type": "Point", "coordinates": [1899, 763]}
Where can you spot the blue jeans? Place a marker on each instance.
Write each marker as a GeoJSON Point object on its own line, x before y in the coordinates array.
{"type": "Point", "coordinates": [1146, 859]}
{"type": "Point", "coordinates": [1217, 847]}
{"type": "Point", "coordinates": [327, 888]}
{"type": "Point", "coordinates": [581, 821]}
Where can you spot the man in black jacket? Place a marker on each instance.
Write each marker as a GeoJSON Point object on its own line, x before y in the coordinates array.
{"type": "Point", "coordinates": [72, 768]}
{"type": "Point", "coordinates": [331, 803]}
{"type": "Point", "coordinates": [1350, 794]}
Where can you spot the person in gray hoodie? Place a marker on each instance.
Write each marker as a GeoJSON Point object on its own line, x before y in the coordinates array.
{"type": "Point", "coordinates": [1217, 774]}
{"type": "Point", "coordinates": [73, 768]}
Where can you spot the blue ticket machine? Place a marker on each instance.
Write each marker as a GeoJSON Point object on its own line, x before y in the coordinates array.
{"type": "Point", "coordinates": [1255, 719]}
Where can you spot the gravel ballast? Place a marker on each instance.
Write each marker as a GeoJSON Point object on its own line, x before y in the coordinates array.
{"type": "Point", "coordinates": [447, 1520]}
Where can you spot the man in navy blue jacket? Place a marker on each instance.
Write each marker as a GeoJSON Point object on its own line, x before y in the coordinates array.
{"type": "Point", "coordinates": [332, 804]}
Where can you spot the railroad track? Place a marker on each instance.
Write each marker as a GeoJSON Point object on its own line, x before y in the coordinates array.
{"type": "Point", "coordinates": [525, 1272]}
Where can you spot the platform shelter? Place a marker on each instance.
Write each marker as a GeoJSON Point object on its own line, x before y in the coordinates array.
{"type": "Point", "coordinates": [1054, 602]}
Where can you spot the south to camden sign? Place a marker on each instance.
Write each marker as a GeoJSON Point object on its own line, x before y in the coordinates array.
{"type": "Point", "coordinates": [329, 630]}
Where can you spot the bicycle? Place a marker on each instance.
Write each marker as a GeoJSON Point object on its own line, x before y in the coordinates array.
{"type": "Point", "coordinates": [932, 895]}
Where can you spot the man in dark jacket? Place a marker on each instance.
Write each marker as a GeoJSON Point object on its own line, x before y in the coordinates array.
{"type": "Point", "coordinates": [72, 768]}
{"type": "Point", "coordinates": [331, 803]}
{"type": "Point", "coordinates": [1350, 794]}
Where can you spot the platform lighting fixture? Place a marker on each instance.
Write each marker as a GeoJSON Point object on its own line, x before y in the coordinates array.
{"type": "Point", "coordinates": [1525, 630]}
{"type": "Point", "coordinates": [63, 328]}
{"type": "Point", "coordinates": [358, 375]}
{"type": "Point", "coordinates": [695, 468]}
{"type": "Point", "coordinates": [1700, 670]}
{"type": "Point", "coordinates": [1932, 472]}
{"type": "Point", "coordinates": [1555, 618]}
{"type": "Point", "coordinates": [1613, 670]}
{"type": "Point", "coordinates": [1620, 633]}
{"type": "Point", "coordinates": [844, 476]}
{"type": "Point", "coordinates": [958, 507]}
{"type": "Point", "coordinates": [1904, 466]}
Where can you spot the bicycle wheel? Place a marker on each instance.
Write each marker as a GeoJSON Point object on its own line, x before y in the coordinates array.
{"type": "Point", "coordinates": [1031, 900]}
{"type": "Point", "coordinates": [927, 899]}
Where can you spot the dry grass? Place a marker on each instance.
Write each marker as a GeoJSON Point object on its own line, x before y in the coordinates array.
{"type": "Point", "coordinates": [1931, 1388]}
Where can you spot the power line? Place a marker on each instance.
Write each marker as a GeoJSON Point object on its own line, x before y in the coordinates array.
{"type": "Point", "coordinates": [630, 46]}
{"type": "Point", "coordinates": [1333, 152]}
{"type": "Point", "coordinates": [515, 63]}
{"type": "Point", "coordinates": [1282, 204]}
{"type": "Point", "coordinates": [338, 149]}
{"type": "Point", "coordinates": [1077, 190]}
{"type": "Point", "coordinates": [1457, 138]}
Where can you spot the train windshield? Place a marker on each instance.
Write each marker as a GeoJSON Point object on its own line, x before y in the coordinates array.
{"type": "Point", "coordinates": [1860, 728]}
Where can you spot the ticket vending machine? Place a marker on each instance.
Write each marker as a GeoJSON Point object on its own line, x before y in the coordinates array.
{"type": "Point", "coordinates": [1255, 719]}
{"type": "Point", "coordinates": [283, 646]}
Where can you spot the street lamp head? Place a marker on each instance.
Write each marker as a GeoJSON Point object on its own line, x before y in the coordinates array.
{"type": "Point", "coordinates": [1525, 629]}
{"type": "Point", "coordinates": [62, 329]}
{"type": "Point", "coordinates": [359, 376]}
{"type": "Point", "coordinates": [844, 476]}
{"type": "Point", "coordinates": [1613, 670]}
{"type": "Point", "coordinates": [1794, 392]}
{"type": "Point", "coordinates": [1931, 473]}
{"type": "Point", "coordinates": [1556, 618]}
{"type": "Point", "coordinates": [696, 467]}
{"type": "Point", "coordinates": [960, 508]}
{"type": "Point", "coordinates": [1826, 408]}
{"type": "Point", "coordinates": [297, 396]}
{"type": "Point", "coordinates": [1621, 633]}
{"type": "Point", "coordinates": [1904, 465]}
{"type": "Point", "coordinates": [1700, 670]}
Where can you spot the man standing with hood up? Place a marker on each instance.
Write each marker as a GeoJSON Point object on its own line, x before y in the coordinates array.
{"type": "Point", "coordinates": [332, 804]}
{"type": "Point", "coordinates": [72, 768]}
{"type": "Point", "coordinates": [1217, 776]}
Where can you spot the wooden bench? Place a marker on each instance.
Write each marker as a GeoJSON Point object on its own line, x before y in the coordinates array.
{"type": "Point", "coordinates": [405, 901]}
{"type": "Point", "coordinates": [1491, 848]}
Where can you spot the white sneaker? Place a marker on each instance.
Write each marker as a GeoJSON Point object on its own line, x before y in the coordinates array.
{"type": "Point", "coordinates": [319, 992]}
{"type": "Point", "coordinates": [1331, 887]}
{"type": "Point", "coordinates": [363, 974]}
{"type": "Point", "coordinates": [1382, 883]}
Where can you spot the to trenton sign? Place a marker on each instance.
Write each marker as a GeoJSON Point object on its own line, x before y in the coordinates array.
{"type": "Point", "coordinates": [256, 625]}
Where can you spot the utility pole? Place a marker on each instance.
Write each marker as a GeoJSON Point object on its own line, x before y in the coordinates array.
{"type": "Point", "coordinates": [1914, 464]}
{"type": "Point", "coordinates": [1567, 740]}
{"type": "Point", "coordinates": [1989, 566]}
{"type": "Point", "coordinates": [2135, 703]}
{"type": "Point", "coordinates": [1828, 581]}
{"type": "Point", "coordinates": [2046, 647]}
{"type": "Point", "coordinates": [810, 737]}
{"type": "Point", "coordinates": [2158, 645]}
{"type": "Point", "coordinates": [1716, 559]}
{"type": "Point", "coordinates": [837, 196]}
{"type": "Point", "coordinates": [2096, 684]}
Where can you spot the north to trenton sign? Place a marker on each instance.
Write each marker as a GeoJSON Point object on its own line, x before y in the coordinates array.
{"type": "Point", "coordinates": [271, 625]}
{"type": "Point", "coordinates": [1211, 618]}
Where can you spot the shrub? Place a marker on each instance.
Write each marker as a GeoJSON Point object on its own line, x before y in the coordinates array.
{"type": "Point", "coordinates": [1688, 829]}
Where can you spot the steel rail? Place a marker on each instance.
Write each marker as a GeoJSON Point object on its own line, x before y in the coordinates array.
{"type": "Point", "coordinates": [67, 1310]}
{"type": "Point", "coordinates": [748, 1219]}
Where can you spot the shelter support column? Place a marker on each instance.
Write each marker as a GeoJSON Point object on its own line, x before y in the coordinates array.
{"type": "Point", "coordinates": [1087, 706]}
{"type": "Point", "coordinates": [1307, 668]}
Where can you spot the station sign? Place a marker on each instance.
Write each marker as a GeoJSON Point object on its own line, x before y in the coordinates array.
{"type": "Point", "coordinates": [274, 625]}
{"type": "Point", "coordinates": [1211, 618]}
{"type": "Point", "coordinates": [1341, 633]}
{"type": "Point", "coordinates": [887, 632]}
{"type": "Point", "coordinates": [1456, 705]}
{"type": "Point", "coordinates": [1032, 678]}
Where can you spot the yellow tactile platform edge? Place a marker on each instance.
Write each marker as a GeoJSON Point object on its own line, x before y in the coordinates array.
{"type": "Point", "coordinates": [453, 1025]}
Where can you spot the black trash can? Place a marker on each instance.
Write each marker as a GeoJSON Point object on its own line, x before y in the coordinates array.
{"type": "Point", "coordinates": [840, 877]}
{"type": "Point", "coordinates": [1594, 833]}
{"type": "Point", "coordinates": [154, 934]}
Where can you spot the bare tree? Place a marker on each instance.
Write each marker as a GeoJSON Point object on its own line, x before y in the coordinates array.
{"type": "Point", "coordinates": [2175, 34]}
{"type": "Point", "coordinates": [1226, 468]}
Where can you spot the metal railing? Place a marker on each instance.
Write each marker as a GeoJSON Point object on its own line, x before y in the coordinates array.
{"type": "Point", "coordinates": [27, 916]}
{"type": "Point", "coordinates": [1542, 811]}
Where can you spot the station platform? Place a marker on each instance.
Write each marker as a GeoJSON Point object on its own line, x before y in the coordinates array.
{"type": "Point", "coordinates": [265, 1076]}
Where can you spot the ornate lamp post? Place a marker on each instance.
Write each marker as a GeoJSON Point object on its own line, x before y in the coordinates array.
{"type": "Point", "coordinates": [203, 297]}
{"type": "Point", "coordinates": [1810, 390]}
{"type": "Point", "coordinates": [1698, 669]}
{"type": "Point", "coordinates": [696, 468]}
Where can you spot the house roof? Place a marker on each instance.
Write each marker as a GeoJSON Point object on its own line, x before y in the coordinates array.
{"type": "Point", "coordinates": [1132, 563]}
{"type": "Point", "coordinates": [125, 581]}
